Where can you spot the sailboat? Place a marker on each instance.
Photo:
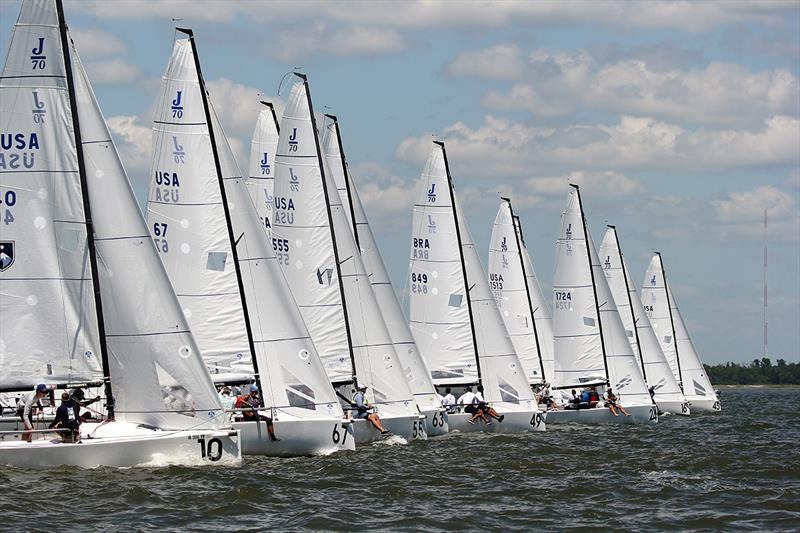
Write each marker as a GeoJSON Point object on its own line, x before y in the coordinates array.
{"type": "Point", "coordinates": [226, 276]}
{"type": "Point", "coordinates": [673, 335]}
{"type": "Point", "coordinates": [262, 162]}
{"type": "Point", "coordinates": [419, 379]}
{"type": "Point", "coordinates": [519, 296]}
{"type": "Point", "coordinates": [655, 369]}
{"type": "Point", "coordinates": [591, 349]}
{"type": "Point", "coordinates": [454, 317]}
{"type": "Point", "coordinates": [86, 301]}
{"type": "Point", "coordinates": [327, 277]}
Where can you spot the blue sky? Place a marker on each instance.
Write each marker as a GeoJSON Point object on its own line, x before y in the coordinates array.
{"type": "Point", "coordinates": [681, 121]}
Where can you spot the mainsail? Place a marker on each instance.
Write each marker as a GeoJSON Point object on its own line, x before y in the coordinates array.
{"type": "Point", "coordinates": [324, 268]}
{"type": "Point", "coordinates": [78, 198]}
{"type": "Point", "coordinates": [672, 334]}
{"type": "Point", "coordinates": [260, 182]}
{"type": "Point", "coordinates": [416, 372]}
{"type": "Point", "coordinates": [645, 346]}
{"type": "Point", "coordinates": [454, 316]}
{"type": "Point", "coordinates": [517, 293]}
{"type": "Point", "coordinates": [590, 342]}
{"type": "Point", "coordinates": [218, 256]}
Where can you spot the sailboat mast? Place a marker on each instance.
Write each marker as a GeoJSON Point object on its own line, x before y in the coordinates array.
{"type": "Point", "coordinates": [630, 301]}
{"type": "Point", "coordinates": [518, 237]}
{"type": "Point", "coordinates": [87, 211]}
{"type": "Point", "coordinates": [330, 225]}
{"type": "Point", "coordinates": [224, 200]}
{"type": "Point", "coordinates": [594, 283]}
{"type": "Point", "coordinates": [346, 180]}
{"type": "Point", "coordinates": [671, 319]}
{"type": "Point", "coordinates": [274, 116]}
{"type": "Point", "coordinates": [463, 263]}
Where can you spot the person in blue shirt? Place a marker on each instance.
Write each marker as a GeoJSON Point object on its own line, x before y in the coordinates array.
{"type": "Point", "coordinates": [363, 410]}
{"type": "Point", "coordinates": [67, 419]}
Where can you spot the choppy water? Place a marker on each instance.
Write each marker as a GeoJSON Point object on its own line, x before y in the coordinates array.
{"type": "Point", "coordinates": [739, 469]}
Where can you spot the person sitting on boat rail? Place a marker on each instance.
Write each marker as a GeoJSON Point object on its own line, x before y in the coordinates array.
{"type": "Point", "coordinates": [250, 404]}
{"type": "Point", "coordinates": [67, 417]}
{"type": "Point", "coordinates": [612, 402]}
{"type": "Point", "coordinates": [574, 401]}
{"type": "Point", "coordinates": [449, 401]}
{"type": "Point", "coordinates": [594, 398]}
{"type": "Point", "coordinates": [26, 406]}
{"type": "Point", "coordinates": [485, 411]}
{"type": "Point", "coordinates": [226, 399]}
{"type": "Point", "coordinates": [364, 410]}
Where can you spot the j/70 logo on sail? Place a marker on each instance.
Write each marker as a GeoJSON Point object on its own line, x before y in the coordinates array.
{"type": "Point", "coordinates": [265, 168]}
{"type": "Point", "coordinates": [177, 106]}
{"type": "Point", "coordinates": [38, 109]}
{"type": "Point", "coordinates": [38, 57]}
{"type": "Point", "coordinates": [6, 255]}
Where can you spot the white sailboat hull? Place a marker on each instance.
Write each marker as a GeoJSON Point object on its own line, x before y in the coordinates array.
{"type": "Point", "coordinates": [674, 407]}
{"type": "Point", "coordinates": [515, 421]}
{"type": "Point", "coordinates": [407, 427]}
{"type": "Point", "coordinates": [436, 422]}
{"type": "Point", "coordinates": [640, 414]}
{"type": "Point", "coordinates": [705, 405]}
{"type": "Point", "coordinates": [297, 437]}
{"type": "Point", "coordinates": [120, 444]}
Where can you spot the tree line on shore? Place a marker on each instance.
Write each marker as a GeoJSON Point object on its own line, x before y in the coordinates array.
{"type": "Point", "coordinates": [758, 372]}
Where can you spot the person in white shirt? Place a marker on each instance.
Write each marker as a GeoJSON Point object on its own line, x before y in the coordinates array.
{"type": "Point", "coordinates": [26, 406]}
{"type": "Point", "coordinates": [449, 401]}
{"type": "Point", "coordinates": [470, 402]}
{"type": "Point", "coordinates": [484, 410]}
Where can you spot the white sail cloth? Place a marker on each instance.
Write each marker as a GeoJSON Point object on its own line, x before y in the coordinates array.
{"type": "Point", "coordinates": [590, 346]}
{"type": "Point", "coordinates": [201, 262]}
{"type": "Point", "coordinates": [419, 379]}
{"type": "Point", "coordinates": [461, 336]}
{"type": "Point", "coordinates": [673, 336]}
{"type": "Point", "coordinates": [336, 300]}
{"type": "Point", "coordinates": [517, 294]}
{"type": "Point", "coordinates": [157, 376]}
{"type": "Point", "coordinates": [644, 344]}
{"type": "Point", "coordinates": [260, 182]}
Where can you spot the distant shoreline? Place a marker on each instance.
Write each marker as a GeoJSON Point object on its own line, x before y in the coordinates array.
{"type": "Point", "coordinates": [761, 386]}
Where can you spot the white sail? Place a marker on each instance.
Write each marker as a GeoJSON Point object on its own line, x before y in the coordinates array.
{"type": "Point", "coordinates": [509, 283]}
{"type": "Point", "coordinates": [157, 377]}
{"type": "Point", "coordinates": [416, 372]}
{"type": "Point", "coordinates": [335, 299]}
{"type": "Point", "coordinates": [49, 324]}
{"type": "Point", "coordinates": [186, 218]}
{"type": "Point", "coordinates": [262, 163]}
{"type": "Point", "coordinates": [541, 310]}
{"type": "Point", "coordinates": [672, 334]}
{"type": "Point", "coordinates": [590, 341]}
{"type": "Point", "coordinates": [289, 369]}
{"type": "Point", "coordinates": [454, 316]}
{"type": "Point", "coordinates": [644, 344]}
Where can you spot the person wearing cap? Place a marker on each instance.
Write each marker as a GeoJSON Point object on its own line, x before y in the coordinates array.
{"type": "Point", "coordinates": [78, 400]}
{"type": "Point", "coordinates": [612, 402]}
{"type": "Point", "coordinates": [67, 417]}
{"type": "Point", "coordinates": [25, 407]}
{"type": "Point", "coordinates": [226, 398]}
{"type": "Point", "coordinates": [363, 410]}
{"type": "Point", "coordinates": [250, 404]}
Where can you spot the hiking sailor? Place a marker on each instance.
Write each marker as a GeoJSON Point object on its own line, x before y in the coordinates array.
{"type": "Point", "coordinates": [363, 408]}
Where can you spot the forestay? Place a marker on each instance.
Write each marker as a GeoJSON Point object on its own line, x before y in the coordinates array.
{"type": "Point", "coordinates": [462, 331]}
{"type": "Point", "coordinates": [49, 324]}
{"type": "Point", "coordinates": [672, 333]}
{"type": "Point", "coordinates": [644, 344]}
{"type": "Point", "coordinates": [260, 182]}
{"type": "Point", "coordinates": [507, 279]}
{"type": "Point", "coordinates": [324, 268]}
{"type": "Point", "coordinates": [187, 220]}
{"type": "Point", "coordinates": [417, 375]}
{"type": "Point", "coordinates": [290, 373]}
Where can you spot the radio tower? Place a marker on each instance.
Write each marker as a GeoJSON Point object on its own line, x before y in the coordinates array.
{"type": "Point", "coordinates": [765, 283]}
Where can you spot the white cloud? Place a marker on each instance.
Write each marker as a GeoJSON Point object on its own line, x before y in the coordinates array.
{"type": "Point", "coordinates": [113, 72]}
{"type": "Point", "coordinates": [134, 144]}
{"type": "Point", "coordinates": [557, 82]}
{"type": "Point", "coordinates": [323, 38]}
{"type": "Point", "coordinates": [749, 206]}
{"type": "Point", "coordinates": [501, 148]}
{"type": "Point", "coordinates": [608, 183]}
{"type": "Point", "coordinates": [93, 42]}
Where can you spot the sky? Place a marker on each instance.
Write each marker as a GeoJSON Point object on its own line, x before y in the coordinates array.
{"type": "Point", "coordinates": [680, 121]}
